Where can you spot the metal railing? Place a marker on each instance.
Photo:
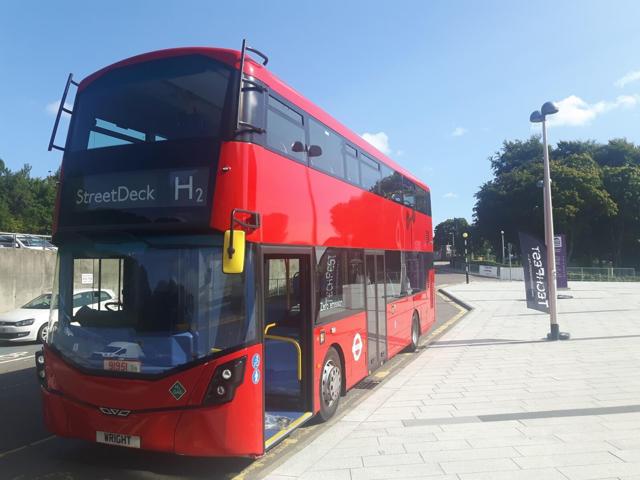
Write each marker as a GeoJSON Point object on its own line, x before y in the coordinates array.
{"type": "Point", "coordinates": [604, 274]}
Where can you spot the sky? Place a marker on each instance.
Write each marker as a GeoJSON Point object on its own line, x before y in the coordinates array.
{"type": "Point", "coordinates": [437, 85]}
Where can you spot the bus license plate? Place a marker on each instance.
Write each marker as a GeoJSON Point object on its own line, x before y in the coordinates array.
{"type": "Point", "coordinates": [119, 439]}
{"type": "Point", "coordinates": [122, 365]}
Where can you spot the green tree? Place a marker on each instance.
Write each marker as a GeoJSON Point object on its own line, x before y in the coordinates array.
{"type": "Point", "coordinates": [450, 232]}
{"type": "Point", "coordinates": [26, 203]}
{"type": "Point", "coordinates": [622, 231]}
{"type": "Point", "coordinates": [512, 201]}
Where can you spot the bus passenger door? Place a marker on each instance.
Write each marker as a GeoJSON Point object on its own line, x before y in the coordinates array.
{"type": "Point", "coordinates": [287, 325]}
{"type": "Point", "coordinates": [376, 310]}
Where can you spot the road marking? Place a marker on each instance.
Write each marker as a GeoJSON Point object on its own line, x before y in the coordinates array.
{"type": "Point", "coordinates": [32, 444]}
{"type": "Point", "coordinates": [14, 357]}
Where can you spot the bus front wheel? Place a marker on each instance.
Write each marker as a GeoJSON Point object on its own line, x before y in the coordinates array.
{"type": "Point", "coordinates": [330, 384]}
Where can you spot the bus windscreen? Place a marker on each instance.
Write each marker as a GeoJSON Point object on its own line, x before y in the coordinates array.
{"type": "Point", "coordinates": [158, 303]}
{"type": "Point", "coordinates": [154, 101]}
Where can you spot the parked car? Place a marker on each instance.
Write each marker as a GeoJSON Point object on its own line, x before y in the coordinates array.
{"type": "Point", "coordinates": [8, 241]}
{"type": "Point", "coordinates": [31, 242]}
{"type": "Point", "coordinates": [30, 322]}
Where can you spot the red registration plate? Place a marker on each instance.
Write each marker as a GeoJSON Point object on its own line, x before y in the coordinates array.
{"type": "Point", "coordinates": [122, 365]}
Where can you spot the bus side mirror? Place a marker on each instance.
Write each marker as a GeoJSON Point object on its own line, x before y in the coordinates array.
{"type": "Point", "coordinates": [233, 251]}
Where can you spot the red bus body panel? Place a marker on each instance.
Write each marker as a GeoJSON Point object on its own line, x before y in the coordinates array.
{"type": "Point", "coordinates": [163, 423]}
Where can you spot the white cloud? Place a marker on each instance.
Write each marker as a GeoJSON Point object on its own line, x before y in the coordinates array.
{"type": "Point", "coordinates": [459, 131]}
{"type": "Point", "coordinates": [627, 79]}
{"type": "Point", "coordinates": [450, 195]}
{"type": "Point", "coordinates": [379, 140]}
{"type": "Point", "coordinates": [52, 108]}
{"type": "Point", "coordinates": [573, 111]}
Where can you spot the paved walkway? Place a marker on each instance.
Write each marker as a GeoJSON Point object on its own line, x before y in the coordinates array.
{"type": "Point", "coordinates": [491, 400]}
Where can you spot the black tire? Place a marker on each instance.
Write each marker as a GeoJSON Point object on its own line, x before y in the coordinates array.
{"type": "Point", "coordinates": [330, 384]}
{"type": "Point", "coordinates": [43, 333]}
{"type": "Point", "coordinates": [415, 333]}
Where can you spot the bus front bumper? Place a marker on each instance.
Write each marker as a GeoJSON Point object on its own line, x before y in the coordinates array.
{"type": "Point", "coordinates": [193, 432]}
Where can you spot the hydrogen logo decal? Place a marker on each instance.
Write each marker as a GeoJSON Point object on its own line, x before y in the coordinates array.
{"type": "Point", "coordinates": [177, 390]}
{"type": "Point", "coordinates": [255, 378]}
{"type": "Point", "coordinates": [356, 348]}
{"type": "Point", "coordinates": [255, 360]}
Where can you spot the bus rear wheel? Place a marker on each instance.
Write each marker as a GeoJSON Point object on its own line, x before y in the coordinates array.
{"type": "Point", "coordinates": [330, 384]}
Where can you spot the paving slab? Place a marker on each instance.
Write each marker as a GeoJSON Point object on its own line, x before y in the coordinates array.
{"type": "Point", "coordinates": [492, 399]}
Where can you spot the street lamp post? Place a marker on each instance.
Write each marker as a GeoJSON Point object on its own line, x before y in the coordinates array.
{"type": "Point", "coordinates": [540, 116]}
{"type": "Point", "coordinates": [466, 257]}
{"type": "Point", "coordinates": [502, 235]}
{"type": "Point", "coordinates": [453, 243]}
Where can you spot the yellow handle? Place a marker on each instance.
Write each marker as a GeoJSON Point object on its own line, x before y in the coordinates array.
{"type": "Point", "coordinates": [295, 344]}
{"type": "Point", "coordinates": [266, 329]}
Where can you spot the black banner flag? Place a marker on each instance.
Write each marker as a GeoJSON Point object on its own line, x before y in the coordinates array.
{"type": "Point", "coordinates": [534, 260]}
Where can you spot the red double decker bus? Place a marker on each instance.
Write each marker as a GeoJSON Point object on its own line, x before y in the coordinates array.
{"type": "Point", "coordinates": [244, 258]}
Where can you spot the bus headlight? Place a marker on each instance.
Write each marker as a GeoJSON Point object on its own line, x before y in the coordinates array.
{"type": "Point", "coordinates": [224, 381]}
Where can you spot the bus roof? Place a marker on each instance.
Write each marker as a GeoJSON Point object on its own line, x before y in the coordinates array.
{"type": "Point", "coordinates": [253, 68]}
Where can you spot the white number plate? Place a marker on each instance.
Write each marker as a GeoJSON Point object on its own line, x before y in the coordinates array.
{"type": "Point", "coordinates": [119, 439]}
{"type": "Point", "coordinates": [122, 365]}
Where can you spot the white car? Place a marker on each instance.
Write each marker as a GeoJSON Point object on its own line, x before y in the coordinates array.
{"type": "Point", "coordinates": [30, 323]}
{"type": "Point", "coordinates": [30, 242]}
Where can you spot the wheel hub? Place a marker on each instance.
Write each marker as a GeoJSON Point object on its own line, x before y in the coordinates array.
{"type": "Point", "coordinates": [331, 383]}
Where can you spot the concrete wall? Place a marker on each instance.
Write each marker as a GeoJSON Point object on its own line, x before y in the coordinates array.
{"type": "Point", "coordinates": [24, 274]}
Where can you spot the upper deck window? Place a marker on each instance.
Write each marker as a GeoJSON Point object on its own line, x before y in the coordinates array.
{"type": "Point", "coordinates": [285, 128]}
{"type": "Point", "coordinates": [331, 160]}
{"type": "Point", "coordinates": [167, 99]}
{"type": "Point", "coordinates": [369, 174]}
{"type": "Point", "coordinates": [352, 172]}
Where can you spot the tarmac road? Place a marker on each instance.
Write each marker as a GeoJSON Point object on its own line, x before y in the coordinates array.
{"type": "Point", "coordinates": [28, 451]}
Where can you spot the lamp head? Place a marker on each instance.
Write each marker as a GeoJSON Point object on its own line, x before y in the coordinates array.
{"type": "Point", "coordinates": [536, 117]}
{"type": "Point", "coordinates": [501, 232]}
{"type": "Point", "coordinates": [465, 235]}
{"type": "Point", "coordinates": [549, 108]}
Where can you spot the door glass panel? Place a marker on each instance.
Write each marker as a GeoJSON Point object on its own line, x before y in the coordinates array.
{"type": "Point", "coordinates": [286, 316]}
{"type": "Point", "coordinates": [283, 296]}
{"type": "Point", "coordinates": [382, 309]}
{"type": "Point", "coordinates": [372, 313]}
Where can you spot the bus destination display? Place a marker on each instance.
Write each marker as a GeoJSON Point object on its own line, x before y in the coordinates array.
{"type": "Point", "coordinates": [149, 189]}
